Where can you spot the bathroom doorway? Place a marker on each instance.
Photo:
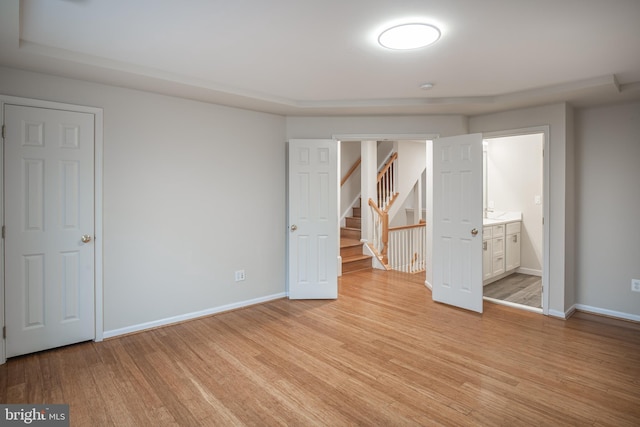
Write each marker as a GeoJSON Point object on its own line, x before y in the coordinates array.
{"type": "Point", "coordinates": [513, 230]}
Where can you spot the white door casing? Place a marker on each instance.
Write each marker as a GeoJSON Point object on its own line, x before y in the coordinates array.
{"type": "Point", "coordinates": [457, 221]}
{"type": "Point", "coordinates": [49, 207]}
{"type": "Point", "coordinates": [313, 219]}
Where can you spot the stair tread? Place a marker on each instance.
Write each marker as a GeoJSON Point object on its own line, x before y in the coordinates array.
{"type": "Point", "coordinates": [345, 242]}
{"type": "Point", "coordinates": [353, 258]}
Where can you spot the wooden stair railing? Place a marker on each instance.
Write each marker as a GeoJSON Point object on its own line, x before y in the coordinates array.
{"type": "Point", "coordinates": [351, 171]}
{"type": "Point", "coordinates": [387, 183]}
{"type": "Point", "coordinates": [410, 259]}
{"type": "Point", "coordinates": [380, 244]}
{"type": "Point", "coordinates": [407, 245]}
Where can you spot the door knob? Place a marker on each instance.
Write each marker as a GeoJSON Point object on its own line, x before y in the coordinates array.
{"type": "Point", "coordinates": [294, 227]}
{"type": "Point", "coordinates": [474, 232]}
{"type": "Point", "coordinates": [85, 238]}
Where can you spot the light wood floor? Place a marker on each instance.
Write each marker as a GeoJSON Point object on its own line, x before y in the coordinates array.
{"type": "Point", "coordinates": [383, 354]}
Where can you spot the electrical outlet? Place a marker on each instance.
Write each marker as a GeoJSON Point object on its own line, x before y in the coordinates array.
{"type": "Point", "coordinates": [635, 285]}
{"type": "Point", "coordinates": [239, 275]}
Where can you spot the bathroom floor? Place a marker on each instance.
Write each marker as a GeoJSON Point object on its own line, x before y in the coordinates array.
{"type": "Point", "coordinates": [517, 288]}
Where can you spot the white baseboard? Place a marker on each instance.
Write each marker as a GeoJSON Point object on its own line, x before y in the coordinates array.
{"type": "Point", "coordinates": [189, 316]}
{"type": "Point", "coordinates": [513, 305]}
{"type": "Point", "coordinates": [563, 314]}
{"type": "Point", "coordinates": [428, 285]}
{"type": "Point", "coordinates": [529, 271]}
{"type": "Point", "coordinates": [608, 313]}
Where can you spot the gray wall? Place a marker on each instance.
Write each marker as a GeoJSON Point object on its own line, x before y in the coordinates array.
{"type": "Point", "coordinates": [190, 186]}
{"type": "Point", "coordinates": [192, 192]}
{"type": "Point", "coordinates": [608, 208]}
{"type": "Point", "coordinates": [327, 127]}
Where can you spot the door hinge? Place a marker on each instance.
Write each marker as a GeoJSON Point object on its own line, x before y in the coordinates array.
{"type": "Point", "coordinates": [3, 231]}
{"type": "Point", "coordinates": [4, 332]}
{"type": "Point", "coordinates": [3, 131]}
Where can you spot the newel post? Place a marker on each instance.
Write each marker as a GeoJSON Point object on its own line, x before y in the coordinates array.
{"type": "Point", "coordinates": [385, 238]}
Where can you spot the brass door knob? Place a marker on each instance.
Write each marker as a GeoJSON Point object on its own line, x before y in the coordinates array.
{"type": "Point", "coordinates": [86, 238]}
{"type": "Point", "coordinates": [474, 232]}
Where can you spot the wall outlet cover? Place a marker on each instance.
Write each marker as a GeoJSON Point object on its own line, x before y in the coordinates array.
{"type": "Point", "coordinates": [635, 285]}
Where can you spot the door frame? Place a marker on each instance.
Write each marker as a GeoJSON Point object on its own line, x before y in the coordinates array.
{"type": "Point", "coordinates": [97, 195]}
{"type": "Point", "coordinates": [399, 137]}
{"type": "Point", "coordinates": [545, 198]}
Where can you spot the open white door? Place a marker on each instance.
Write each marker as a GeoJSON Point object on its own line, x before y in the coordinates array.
{"type": "Point", "coordinates": [313, 219]}
{"type": "Point", "coordinates": [457, 221]}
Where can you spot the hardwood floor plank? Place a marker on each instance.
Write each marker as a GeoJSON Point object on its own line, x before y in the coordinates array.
{"type": "Point", "coordinates": [383, 353]}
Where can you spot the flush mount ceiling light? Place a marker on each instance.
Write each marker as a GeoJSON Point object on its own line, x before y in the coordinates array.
{"type": "Point", "coordinates": [409, 36]}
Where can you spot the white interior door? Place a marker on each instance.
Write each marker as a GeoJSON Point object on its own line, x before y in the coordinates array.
{"type": "Point", "coordinates": [49, 220]}
{"type": "Point", "coordinates": [457, 221]}
{"type": "Point", "coordinates": [313, 219]}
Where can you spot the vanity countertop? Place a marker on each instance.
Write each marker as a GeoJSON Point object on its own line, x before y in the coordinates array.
{"type": "Point", "coordinates": [499, 217]}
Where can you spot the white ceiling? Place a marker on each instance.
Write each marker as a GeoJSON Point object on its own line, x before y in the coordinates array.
{"type": "Point", "coordinates": [302, 57]}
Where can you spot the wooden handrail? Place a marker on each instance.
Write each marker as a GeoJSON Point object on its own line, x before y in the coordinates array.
{"type": "Point", "coordinates": [384, 234]}
{"type": "Point", "coordinates": [351, 171]}
{"type": "Point", "coordinates": [406, 227]}
{"type": "Point", "coordinates": [386, 167]}
{"type": "Point", "coordinates": [386, 183]}
{"type": "Point", "coordinates": [375, 206]}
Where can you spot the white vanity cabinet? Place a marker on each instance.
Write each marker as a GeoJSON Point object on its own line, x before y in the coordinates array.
{"type": "Point", "coordinates": [493, 261]}
{"type": "Point", "coordinates": [487, 253]}
{"type": "Point", "coordinates": [513, 246]}
{"type": "Point", "coordinates": [500, 250]}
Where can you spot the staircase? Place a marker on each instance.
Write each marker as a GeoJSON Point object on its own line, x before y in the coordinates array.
{"type": "Point", "coordinates": [350, 246]}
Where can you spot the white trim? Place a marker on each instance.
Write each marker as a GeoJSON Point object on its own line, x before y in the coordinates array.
{"type": "Point", "coordinates": [3, 351]}
{"type": "Point", "coordinates": [563, 315]}
{"type": "Point", "coordinates": [513, 305]}
{"type": "Point", "coordinates": [529, 271]}
{"type": "Point", "coordinates": [546, 239]}
{"type": "Point", "coordinates": [98, 237]}
{"type": "Point", "coordinates": [98, 171]}
{"type": "Point", "coordinates": [375, 261]}
{"type": "Point", "coordinates": [386, 137]}
{"type": "Point", "coordinates": [607, 312]}
{"type": "Point", "coordinates": [190, 316]}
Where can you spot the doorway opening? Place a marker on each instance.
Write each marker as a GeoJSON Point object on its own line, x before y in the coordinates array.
{"type": "Point", "coordinates": [513, 224]}
{"type": "Point", "coordinates": [383, 204]}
